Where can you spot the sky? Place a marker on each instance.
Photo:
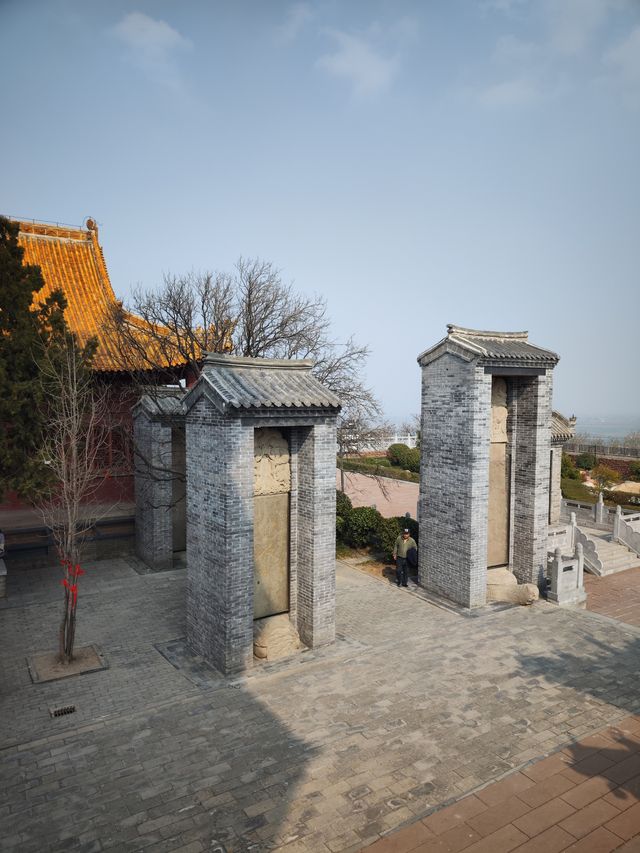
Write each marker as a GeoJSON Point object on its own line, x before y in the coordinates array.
{"type": "Point", "coordinates": [473, 162]}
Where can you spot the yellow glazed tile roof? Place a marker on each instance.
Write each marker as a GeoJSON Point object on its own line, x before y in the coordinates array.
{"type": "Point", "coordinates": [71, 260]}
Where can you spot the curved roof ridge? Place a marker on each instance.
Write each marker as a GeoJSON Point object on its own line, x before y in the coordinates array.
{"type": "Point", "coordinates": [484, 333]}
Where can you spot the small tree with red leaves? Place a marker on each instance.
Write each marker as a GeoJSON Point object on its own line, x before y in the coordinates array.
{"type": "Point", "coordinates": [73, 450]}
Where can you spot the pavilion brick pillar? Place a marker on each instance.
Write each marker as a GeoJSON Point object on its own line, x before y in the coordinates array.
{"type": "Point", "coordinates": [555, 500]}
{"type": "Point", "coordinates": [456, 413]}
{"type": "Point", "coordinates": [532, 461]}
{"type": "Point", "coordinates": [316, 533]}
{"type": "Point", "coordinates": [219, 537]}
{"type": "Point", "coordinates": [152, 440]}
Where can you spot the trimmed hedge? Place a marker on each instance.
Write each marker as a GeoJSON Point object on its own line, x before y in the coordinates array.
{"type": "Point", "coordinates": [622, 498]}
{"type": "Point", "coordinates": [404, 457]}
{"type": "Point", "coordinates": [343, 510]}
{"type": "Point", "coordinates": [361, 526]}
{"type": "Point", "coordinates": [343, 504]}
{"type": "Point", "coordinates": [359, 467]}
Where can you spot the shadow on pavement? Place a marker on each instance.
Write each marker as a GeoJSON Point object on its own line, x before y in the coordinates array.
{"type": "Point", "coordinates": [151, 760]}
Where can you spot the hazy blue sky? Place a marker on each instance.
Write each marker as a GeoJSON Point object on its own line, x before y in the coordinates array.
{"type": "Point", "coordinates": [418, 163]}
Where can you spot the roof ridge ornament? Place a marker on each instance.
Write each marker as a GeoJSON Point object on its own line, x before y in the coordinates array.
{"type": "Point", "coordinates": [247, 362]}
{"type": "Point", "coordinates": [481, 333]}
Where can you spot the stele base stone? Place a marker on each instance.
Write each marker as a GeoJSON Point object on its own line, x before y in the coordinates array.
{"type": "Point", "coordinates": [275, 637]}
{"type": "Point", "coordinates": [502, 585]}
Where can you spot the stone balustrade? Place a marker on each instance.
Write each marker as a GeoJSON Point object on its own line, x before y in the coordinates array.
{"type": "Point", "coordinates": [566, 576]}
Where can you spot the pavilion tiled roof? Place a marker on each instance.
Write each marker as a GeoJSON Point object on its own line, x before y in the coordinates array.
{"type": "Point", "coordinates": [489, 348]}
{"type": "Point", "coordinates": [236, 384]}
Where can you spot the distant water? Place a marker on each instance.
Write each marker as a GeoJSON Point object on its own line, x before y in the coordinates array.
{"type": "Point", "coordinates": [607, 427]}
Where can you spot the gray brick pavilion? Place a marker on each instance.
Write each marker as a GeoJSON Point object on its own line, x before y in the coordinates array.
{"type": "Point", "coordinates": [260, 474]}
{"type": "Point", "coordinates": [485, 462]}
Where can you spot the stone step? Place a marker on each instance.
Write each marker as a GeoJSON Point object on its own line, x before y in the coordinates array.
{"type": "Point", "coordinates": [620, 563]}
{"type": "Point", "coordinates": [614, 557]}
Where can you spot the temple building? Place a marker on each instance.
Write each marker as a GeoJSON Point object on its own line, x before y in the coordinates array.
{"type": "Point", "coordinates": [71, 260]}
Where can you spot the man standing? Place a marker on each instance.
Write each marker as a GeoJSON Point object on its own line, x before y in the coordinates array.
{"type": "Point", "coordinates": [403, 545]}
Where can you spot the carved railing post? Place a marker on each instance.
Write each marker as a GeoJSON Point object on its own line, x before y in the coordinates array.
{"type": "Point", "coordinates": [580, 556]}
{"type": "Point", "coordinates": [556, 573]}
{"type": "Point", "coordinates": [616, 524]}
{"type": "Point", "coordinates": [572, 535]}
{"type": "Point", "coordinates": [599, 509]}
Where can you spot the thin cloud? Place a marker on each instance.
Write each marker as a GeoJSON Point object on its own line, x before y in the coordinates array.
{"type": "Point", "coordinates": [355, 60]}
{"type": "Point", "coordinates": [624, 59]}
{"type": "Point", "coordinates": [554, 64]}
{"type": "Point", "coordinates": [505, 7]}
{"type": "Point", "coordinates": [573, 24]}
{"type": "Point", "coordinates": [510, 93]}
{"type": "Point", "coordinates": [152, 45]}
{"type": "Point", "coordinates": [297, 17]}
{"type": "Point", "coordinates": [510, 50]}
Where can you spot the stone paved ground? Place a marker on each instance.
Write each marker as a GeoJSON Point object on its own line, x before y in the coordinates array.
{"type": "Point", "coordinates": [617, 596]}
{"type": "Point", "coordinates": [582, 799]}
{"type": "Point", "coordinates": [414, 705]}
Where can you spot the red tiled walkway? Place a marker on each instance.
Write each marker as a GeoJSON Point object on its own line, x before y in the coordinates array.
{"type": "Point", "coordinates": [390, 497]}
{"type": "Point", "coordinates": [583, 799]}
{"type": "Point", "coordinates": [615, 595]}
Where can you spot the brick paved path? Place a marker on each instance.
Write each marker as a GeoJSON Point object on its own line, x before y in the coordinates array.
{"type": "Point", "coordinates": [583, 799]}
{"type": "Point", "coordinates": [617, 596]}
{"type": "Point", "coordinates": [390, 497]}
{"type": "Point", "coordinates": [413, 706]}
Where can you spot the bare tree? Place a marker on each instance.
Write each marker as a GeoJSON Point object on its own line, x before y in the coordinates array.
{"type": "Point", "coordinates": [249, 313]}
{"type": "Point", "coordinates": [75, 438]}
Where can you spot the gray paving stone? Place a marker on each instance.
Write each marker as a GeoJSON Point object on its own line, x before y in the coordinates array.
{"type": "Point", "coordinates": [413, 705]}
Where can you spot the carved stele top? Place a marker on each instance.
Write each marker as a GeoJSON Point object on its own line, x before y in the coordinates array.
{"type": "Point", "coordinates": [272, 463]}
{"type": "Point", "coordinates": [499, 410]}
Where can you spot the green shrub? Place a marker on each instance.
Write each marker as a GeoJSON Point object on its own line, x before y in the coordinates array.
{"type": "Point", "coordinates": [380, 470]}
{"type": "Point", "coordinates": [361, 526]}
{"type": "Point", "coordinates": [388, 531]}
{"type": "Point", "coordinates": [568, 468]}
{"type": "Point", "coordinates": [344, 508]}
{"type": "Point", "coordinates": [586, 461]}
{"type": "Point", "coordinates": [343, 504]}
{"type": "Point", "coordinates": [634, 470]}
{"type": "Point", "coordinates": [370, 461]}
{"type": "Point", "coordinates": [404, 457]}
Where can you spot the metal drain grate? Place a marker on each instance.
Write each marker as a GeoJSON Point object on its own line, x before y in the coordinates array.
{"type": "Point", "coordinates": [62, 710]}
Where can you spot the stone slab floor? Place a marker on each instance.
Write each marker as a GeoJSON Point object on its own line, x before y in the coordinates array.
{"type": "Point", "coordinates": [413, 706]}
